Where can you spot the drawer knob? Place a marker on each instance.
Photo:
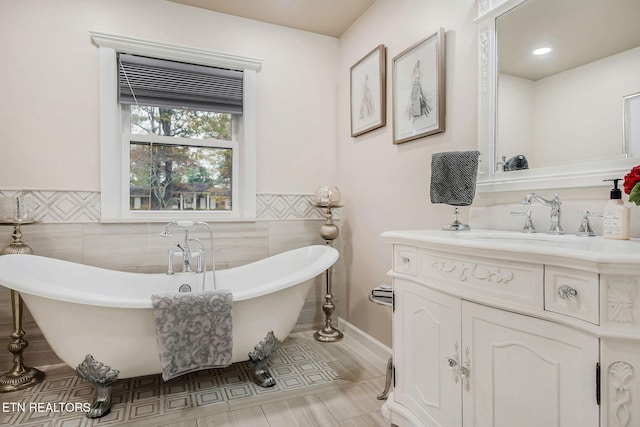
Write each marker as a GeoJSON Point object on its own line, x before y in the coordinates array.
{"type": "Point", "coordinates": [405, 259]}
{"type": "Point", "coordinates": [566, 292]}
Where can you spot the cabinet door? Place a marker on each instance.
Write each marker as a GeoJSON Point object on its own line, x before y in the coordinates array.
{"type": "Point", "coordinates": [427, 330]}
{"type": "Point", "coordinates": [527, 372]}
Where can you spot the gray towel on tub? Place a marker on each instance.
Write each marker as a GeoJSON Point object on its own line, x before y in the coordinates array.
{"type": "Point", "coordinates": [194, 331]}
{"type": "Point", "coordinates": [453, 177]}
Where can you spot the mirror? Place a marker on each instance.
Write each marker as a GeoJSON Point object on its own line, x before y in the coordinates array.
{"type": "Point", "coordinates": [556, 119]}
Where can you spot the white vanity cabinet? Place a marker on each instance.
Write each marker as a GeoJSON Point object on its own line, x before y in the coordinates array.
{"type": "Point", "coordinates": [499, 332]}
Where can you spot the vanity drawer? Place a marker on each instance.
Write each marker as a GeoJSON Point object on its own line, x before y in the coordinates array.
{"type": "Point", "coordinates": [405, 259]}
{"type": "Point", "coordinates": [485, 280]}
{"type": "Point", "coordinates": [573, 293]}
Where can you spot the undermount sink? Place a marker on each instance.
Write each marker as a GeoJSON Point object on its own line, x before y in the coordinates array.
{"type": "Point", "coordinates": [517, 236]}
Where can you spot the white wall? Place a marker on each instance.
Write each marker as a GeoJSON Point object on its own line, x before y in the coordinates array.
{"type": "Point", "coordinates": [515, 109]}
{"type": "Point", "coordinates": [386, 186]}
{"type": "Point", "coordinates": [49, 133]}
{"type": "Point", "coordinates": [576, 114]}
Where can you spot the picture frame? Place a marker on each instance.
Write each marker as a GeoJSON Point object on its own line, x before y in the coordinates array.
{"type": "Point", "coordinates": [368, 98]}
{"type": "Point", "coordinates": [419, 89]}
{"type": "Point", "coordinates": [631, 125]}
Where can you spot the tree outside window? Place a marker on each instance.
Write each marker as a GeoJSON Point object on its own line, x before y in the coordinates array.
{"type": "Point", "coordinates": [189, 165]}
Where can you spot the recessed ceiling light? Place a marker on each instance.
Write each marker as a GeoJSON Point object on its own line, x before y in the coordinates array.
{"type": "Point", "coordinates": [542, 51]}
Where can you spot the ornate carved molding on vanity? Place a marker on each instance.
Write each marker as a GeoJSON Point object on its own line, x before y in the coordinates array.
{"type": "Point", "coordinates": [564, 307]}
{"type": "Point", "coordinates": [464, 271]}
{"type": "Point", "coordinates": [621, 295]}
{"type": "Point", "coordinates": [620, 378]}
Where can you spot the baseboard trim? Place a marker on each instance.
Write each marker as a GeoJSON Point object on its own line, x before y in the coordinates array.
{"type": "Point", "coordinates": [365, 339]}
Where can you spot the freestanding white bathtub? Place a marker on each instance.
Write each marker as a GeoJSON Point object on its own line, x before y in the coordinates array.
{"type": "Point", "coordinates": [88, 310]}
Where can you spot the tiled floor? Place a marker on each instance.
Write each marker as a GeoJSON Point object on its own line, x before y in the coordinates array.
{"type": "Point", "coordinates": [318, 384]}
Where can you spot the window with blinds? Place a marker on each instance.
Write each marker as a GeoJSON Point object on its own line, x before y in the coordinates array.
{"type": "Point", "coordinates": [159, 82]}
{"type": "Point", "coordinates": [179, 121]}
{"type": "Point", "coordinates": [177, 131]}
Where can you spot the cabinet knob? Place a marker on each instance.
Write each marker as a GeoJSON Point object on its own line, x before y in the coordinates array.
{"type": "Point", "coordinates": [566, 292]}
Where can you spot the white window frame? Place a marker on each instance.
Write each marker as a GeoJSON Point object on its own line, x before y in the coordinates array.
{"type": "Point", "coordinates": [114, 166]}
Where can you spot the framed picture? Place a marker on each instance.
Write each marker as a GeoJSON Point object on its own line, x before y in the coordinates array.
{"type": "Point", "coordinates": [418, 90]}
{"type": "Point", "coordinates": [631, 128]}
{"type": "Point", "coordinates": [369, 92]}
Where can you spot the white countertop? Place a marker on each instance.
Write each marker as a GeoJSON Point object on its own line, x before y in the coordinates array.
{"type": "Point", "coordinates": [554, 249]}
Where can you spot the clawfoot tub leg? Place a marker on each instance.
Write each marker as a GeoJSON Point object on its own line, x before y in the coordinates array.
{"type": "Point", "coordinates": [260, 357]}
{"type": "Point", "coordinates": [103, 377]}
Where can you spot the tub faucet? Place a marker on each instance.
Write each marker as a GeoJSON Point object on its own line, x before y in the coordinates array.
{"type": "Point", "coordinates": [554, 204]}
{"type": "Point", "coordinates": [187, 253]}
{"type": "Point", "coordinates": [184, 249]}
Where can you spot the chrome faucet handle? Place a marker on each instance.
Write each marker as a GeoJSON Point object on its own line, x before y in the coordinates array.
{"type": "Point", "coordinates": [198, 241]}
{"type": "Point", "coordinates": [199, 253]}
{"type": "Point", "coordinates": [528, 222]}
{"type": "Point", "coordinates": [170, 253]}
{"type": "Point", "coordinates": [585, 227]}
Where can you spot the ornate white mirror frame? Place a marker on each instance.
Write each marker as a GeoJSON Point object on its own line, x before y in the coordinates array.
{"type": "Point", "coordinates": [490, 179]}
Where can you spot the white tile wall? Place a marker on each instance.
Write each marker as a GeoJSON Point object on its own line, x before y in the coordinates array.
{"type": "Point", "coordinates": [63, 206]}
{"type": "Point", "coordinates": [84, 206]}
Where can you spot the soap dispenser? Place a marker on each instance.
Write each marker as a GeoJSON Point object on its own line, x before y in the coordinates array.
{"type": "Point", "coordinates": [616, 220]}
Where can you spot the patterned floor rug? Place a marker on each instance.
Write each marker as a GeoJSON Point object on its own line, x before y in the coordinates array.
{"type": "Point", "coordinates": [59, 399]}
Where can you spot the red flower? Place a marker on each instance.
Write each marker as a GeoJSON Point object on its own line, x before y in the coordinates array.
{"type": "Point", "coordinates": [631, 179]}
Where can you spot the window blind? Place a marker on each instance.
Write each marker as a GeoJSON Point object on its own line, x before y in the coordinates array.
{"type": "Point", "coordinates": [163, 83]}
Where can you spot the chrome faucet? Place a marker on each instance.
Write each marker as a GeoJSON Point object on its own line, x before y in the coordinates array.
{"type": "Point", "coordinates": [184, 249]}
{"type": "Point", "coordinates": [585, 229]}
{"type": "Point", "coordinates": [528, 226]}
{"type": "Point", "coordinates": [554, 204]}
